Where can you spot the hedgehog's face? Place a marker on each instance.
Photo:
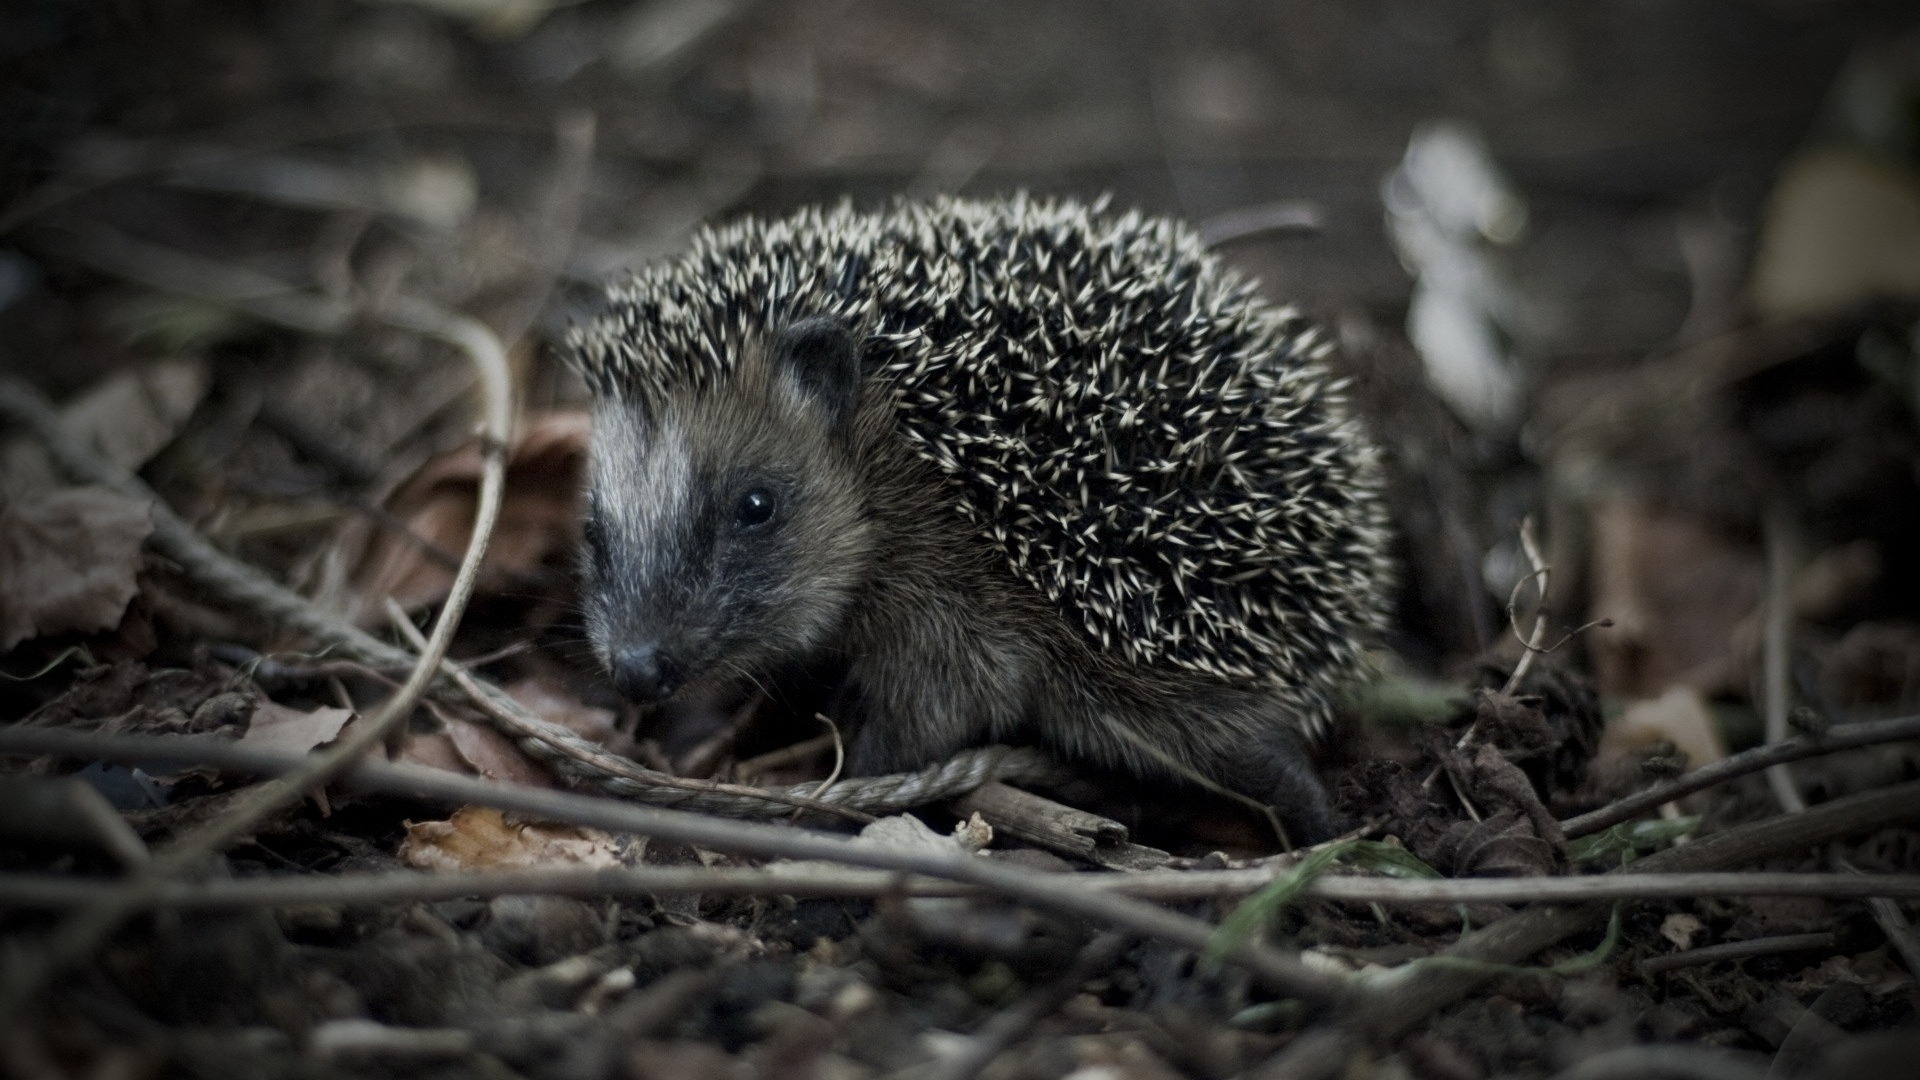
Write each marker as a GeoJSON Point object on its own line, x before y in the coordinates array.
{"type": "Point", "coordinates": [725, 533]}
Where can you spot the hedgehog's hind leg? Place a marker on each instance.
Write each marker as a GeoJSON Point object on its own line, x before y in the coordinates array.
{"type": "Point", "coordinates": [1275, 768]}
{"type": "Point", "coordinates": [1243, 740]}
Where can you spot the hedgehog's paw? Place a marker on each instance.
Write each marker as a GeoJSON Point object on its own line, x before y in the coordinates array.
{"type": "Point", "coordinates": [1277, 771]}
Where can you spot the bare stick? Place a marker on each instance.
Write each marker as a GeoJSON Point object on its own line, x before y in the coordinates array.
{"type": "Point", "coordinates": [1739, 950]}
{"type": "Point", "coordinates": [56, 892]}
{"type": "Point", "coordinates": [1887, 915]}
{"type": "Point", "coordinates": [1844, 737]}
{"type": "Point", "coordinates": [1529, 645]}
{"type": "Point", "coordinates": [1277, 970]}
{"type": "Point", "coordinates": [1782, 558]}
{"type": "Point", "coordinates": [1675, 1062]}
{"type": "Point", "coordinates": [1044, 823]}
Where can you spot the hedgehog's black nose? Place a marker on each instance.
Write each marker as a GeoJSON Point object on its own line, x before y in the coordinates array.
{"type": "Point", "coordinates": [644, 673]}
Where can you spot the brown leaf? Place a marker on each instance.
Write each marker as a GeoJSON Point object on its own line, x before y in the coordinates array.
{"type": "Point", "coordinates": [1842, 228]}
{"type": "Point", "coordinates": [432, 749]}
{"type": "Point", "coordinates": [550, 701]}
{"type": "Point", "coordinates": [126, 418]}
{"type": "Point", "coordinates": [1678, 593]}
{"type": "Point", "coordinates": [480, 838]}
{"type": "Point", "coordinates": [1502, 845]}
{"type": "Point", "coordinates": [1678, 718]}
{"type": "Point", "coordinates": [494, 756]}
{"type": "Point", "coordinates": [278, 727]}
{"type": "Point", "coordinates": [539, 518]}
{"type": "Point", "coordinates": [68, 562]}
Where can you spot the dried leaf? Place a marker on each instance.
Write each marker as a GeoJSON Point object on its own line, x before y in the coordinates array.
{"type": "Point", "coordinates": [1678, 593]}
{"type": "Point", "coordinates": [1842, 228]}
{"type": "Point", "coordinates": [1679, 717]}
{"type": "Point", "coordinates": [127, 418]}
{"type": "Point", "coordinates": [1682, 928]}
{"type": "Point", "coordinates": [494, 756]}
{"type": "Point", "coordinates": [68, 562]}
{"type": "Point", "coordinates": [278, 727]}
{"type": "Point", "coordinates": [550, 701]}
{"type": "Point", "coordinates": [1502, 845]}
{"type": "Point", "coordinates": [539, 519]}
{"type": "Point", "coordinates": [479, 838]}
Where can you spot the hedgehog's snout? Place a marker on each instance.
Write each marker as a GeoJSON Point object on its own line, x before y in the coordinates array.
{"type": "Point", "coordinates": [644, 672]}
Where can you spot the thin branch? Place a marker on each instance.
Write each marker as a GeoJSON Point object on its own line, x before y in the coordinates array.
{"type": "Point", "coordinates": [1277, 970]}
{"type": "Point", "coordinates": [56, 891]}
{"type": "Point", "coordinates": [1893, 922]}
{"type": "Point", "coordinates": [1674, 1062]}
{"type": "Point", "coordinates": [1782, 560]}
{"type": "Point", "coordinates": [1739, 950]}
{"type": "Point", "coordinates": [1530, 645]}
{"type": "Point", "coordinates": [512, 719]}
{"type": "Point", "coordinates": [1844, 737]}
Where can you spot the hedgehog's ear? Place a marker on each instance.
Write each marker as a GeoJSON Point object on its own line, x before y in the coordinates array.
{"type": "Point", "coordinates": [818, 358]}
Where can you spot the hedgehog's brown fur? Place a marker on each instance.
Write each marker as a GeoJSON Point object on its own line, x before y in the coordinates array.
{"type": "Point", "coordinates": [1040, 473]}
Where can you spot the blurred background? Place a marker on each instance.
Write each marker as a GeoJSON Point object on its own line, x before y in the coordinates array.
{"type": "Point", "coordinates": [1641, 271]}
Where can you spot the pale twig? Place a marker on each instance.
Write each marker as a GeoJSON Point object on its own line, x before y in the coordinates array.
{"type": "Point", "coordinates": [1667, 1060]}
{"type": "Point", "coordinates": [1782, 560]}
{"type": "Point", "coordinates": [839, 754]}
{"type": "Point", "coordinates": [1529, 645]}
{"type": "Point", "coordinates": [1845, 737]}
{"type": "Point", "coordinates": [83, 932]}
{"type": "Point", "coordinates": [1542, 573]}
{"type": "Point", "coordinates": [52, 891]}
{"type": "Point", "coordinates": [790, 754]}
{"type": "Point", "coordinates": [1275, 969]}
{"type": "Point", "coordinates": [1738, 950]}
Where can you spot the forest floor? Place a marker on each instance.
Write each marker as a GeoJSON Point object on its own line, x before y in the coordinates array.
{"type": "Point", "coordinates": [1627, 292]}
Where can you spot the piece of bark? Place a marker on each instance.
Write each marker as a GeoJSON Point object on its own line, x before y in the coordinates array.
{"type": "Point", "coordinates": [1056, 827]}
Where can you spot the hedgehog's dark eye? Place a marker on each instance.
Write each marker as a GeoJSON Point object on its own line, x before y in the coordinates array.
{"type": "Point", "coordinates": [593, 531]}
{"type": "Point", "coordinates": [754, 509]}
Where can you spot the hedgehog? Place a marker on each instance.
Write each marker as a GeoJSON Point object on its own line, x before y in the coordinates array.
{"type": "Point", "coordinates": [1018, 470]}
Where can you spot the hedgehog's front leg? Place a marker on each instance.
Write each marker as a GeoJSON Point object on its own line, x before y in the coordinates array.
{"type": "Point", "coordinates": [934, 668]}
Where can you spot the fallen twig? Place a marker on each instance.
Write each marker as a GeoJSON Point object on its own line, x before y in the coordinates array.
{"type": "Point", "coordinates": [1844, 737]}
{"type": "Point", "coordinates": [1738, 950]}
{"type": "Point", "coordinates": [53, 891]}
{"type": "Point", "coordinates": [1782, 560]}
{"type": "Point", "coordinates": [1530, 645]}
{"type": "Point", "coordinates": [1666, 1060]}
